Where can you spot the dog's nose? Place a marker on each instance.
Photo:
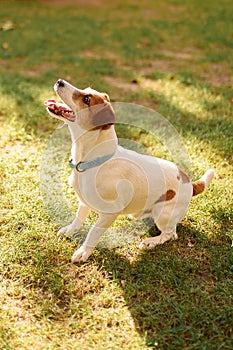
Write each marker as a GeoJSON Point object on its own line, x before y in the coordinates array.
{"type": "Point", "coordinates": [60, 83]}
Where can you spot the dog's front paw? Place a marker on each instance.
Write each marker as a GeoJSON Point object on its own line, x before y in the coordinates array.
{"type": "Point", "coordinates": [82, 254]}
{"type": "Point", "coordinates": [68, 230]}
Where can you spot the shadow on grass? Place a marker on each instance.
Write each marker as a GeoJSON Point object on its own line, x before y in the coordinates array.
{"type": "Point", "coordinates": [178, 295]}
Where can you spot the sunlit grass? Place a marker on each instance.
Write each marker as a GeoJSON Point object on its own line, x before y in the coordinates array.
{"type": "Point", "coordinates": [172, 57]}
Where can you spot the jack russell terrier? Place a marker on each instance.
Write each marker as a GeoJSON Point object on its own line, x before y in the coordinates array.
{"type": "Point", "coordinates": [112, 180]}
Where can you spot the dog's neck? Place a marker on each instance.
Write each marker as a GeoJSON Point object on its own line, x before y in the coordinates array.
{"type": "Point", "coordinates": [87, 145]}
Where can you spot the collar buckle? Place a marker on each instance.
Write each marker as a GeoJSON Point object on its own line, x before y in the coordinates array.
{"type": "Point", "coordinates": [77, 167]}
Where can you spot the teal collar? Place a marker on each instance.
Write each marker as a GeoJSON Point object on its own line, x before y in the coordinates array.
{"type": "Point", "coordinates": [83, 166]}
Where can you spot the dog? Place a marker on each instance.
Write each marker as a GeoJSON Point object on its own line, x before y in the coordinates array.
{"type": "Point", "coordinates": [112, 180]}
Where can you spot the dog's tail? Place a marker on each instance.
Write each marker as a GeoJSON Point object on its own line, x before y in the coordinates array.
{"type": "Point", "coordinates": [200, 185]}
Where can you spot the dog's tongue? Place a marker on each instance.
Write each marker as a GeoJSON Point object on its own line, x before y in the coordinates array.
{"type": "Point", "coordinates": [48, 103]}
{"type": "Point", "coordinates": [59, 106]}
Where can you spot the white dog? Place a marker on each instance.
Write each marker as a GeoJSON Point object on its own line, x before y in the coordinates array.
{"type": "Point", "coordinates": [112, 180]}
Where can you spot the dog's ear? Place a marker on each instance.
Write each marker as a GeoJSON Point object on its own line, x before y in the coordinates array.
{"type": "Point", "coordinates": [106, 97]}
{"type": "Point", "coordinates": [103, 115]}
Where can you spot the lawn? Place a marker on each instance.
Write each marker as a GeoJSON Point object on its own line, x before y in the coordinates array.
{"type": "Point", "coordinates": [174, 57]}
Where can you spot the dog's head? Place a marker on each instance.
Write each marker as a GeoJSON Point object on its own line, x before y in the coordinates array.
{"type": "Point", "coordinates": [89, 108]}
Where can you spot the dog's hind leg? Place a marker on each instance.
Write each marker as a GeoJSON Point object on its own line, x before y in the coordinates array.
{"type": "Point", "coordinates": [80, 217]}
{"type": "Point", "coordinates": [93, 236]}
{"type": "Point", "coordinates": [152, 242]}
{"type": "Point", "coordinates": [168, 219]}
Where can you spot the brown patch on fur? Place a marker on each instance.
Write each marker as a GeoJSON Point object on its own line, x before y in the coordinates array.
{"type": "Point", "coordinates": [166, 196]}
{"type": "Point", "coordinates": [198, 187]}
{"type": "Point", "coordinates": [183, 176]}
{"type": "Point", "coordinates": [96, 99]}
{"type": "Point", "coordinates": [76, 95]}
{"type": "Point", "coordinates": [98, 113]}
{"type": "Point", "coordinates": [106, 96]}
{"type": "Point", "coordinates": [103, 127]}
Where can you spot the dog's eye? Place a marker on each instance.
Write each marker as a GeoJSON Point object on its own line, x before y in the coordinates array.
{"type": "Point", "coordinates": [86, 99]}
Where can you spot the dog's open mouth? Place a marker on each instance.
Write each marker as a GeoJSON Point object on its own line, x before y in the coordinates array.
{"type": "Point", "coordinates": [60, 110]}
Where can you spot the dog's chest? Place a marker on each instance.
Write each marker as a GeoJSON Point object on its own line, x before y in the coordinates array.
{"type": "Point", "coordinates": [79, 185]}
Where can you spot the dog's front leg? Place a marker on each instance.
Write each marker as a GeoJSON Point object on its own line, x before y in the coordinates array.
{"type": "Point", "coordinates": [81, 216]}
{"type": "Point", "coordinates": [93, 236]}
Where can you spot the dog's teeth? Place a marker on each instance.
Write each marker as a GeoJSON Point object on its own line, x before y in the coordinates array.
{"type": "Point", "coordinates": [59, 109]}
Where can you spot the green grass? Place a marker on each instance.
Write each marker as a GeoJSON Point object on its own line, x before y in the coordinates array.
{"type": "Point", "coordinates": [174, 57]}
